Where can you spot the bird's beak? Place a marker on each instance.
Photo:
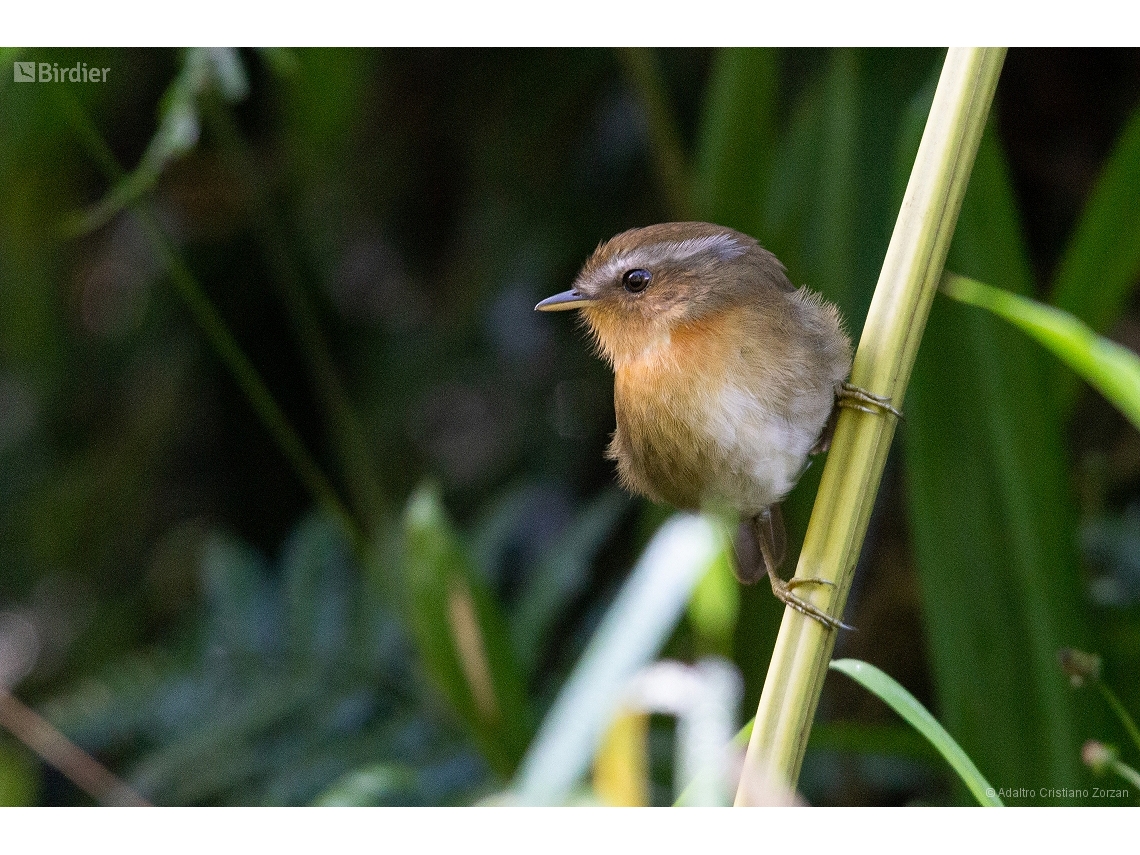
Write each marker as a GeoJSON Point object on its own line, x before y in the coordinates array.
{"type": "Point", "coordinates": [572, 299]}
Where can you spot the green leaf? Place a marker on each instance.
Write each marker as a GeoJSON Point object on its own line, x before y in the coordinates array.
{"type": "Point", "coordinates": [993, 522]}
{"type": "Point", "coordinates": [737, 138]}
{"type": "Point", "coordinates": [373, 785]}
{"type": "Point", "coordinates": [462, 634]}
{"type": "Point", "coordinates": [1101, 264]}
{"type": "Point", "coordinates": [810, 212]}
{"type": "Point", "coordinates": [632, 632]}
{"type": "Point", "coordinates": [1112, 369]}
{"type": "Point", "coordinates": [906, 705]}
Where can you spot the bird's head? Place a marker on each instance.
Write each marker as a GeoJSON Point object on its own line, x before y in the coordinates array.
{"type": "Point", "coordinates": [639, 287]}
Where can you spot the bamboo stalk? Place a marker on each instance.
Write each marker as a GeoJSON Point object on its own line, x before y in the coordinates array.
{"type": "Point", "coordinates": [883, 362]}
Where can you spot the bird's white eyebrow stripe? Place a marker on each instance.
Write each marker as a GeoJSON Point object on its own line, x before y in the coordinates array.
{"type": "Point", "coordinates": [723, 246]}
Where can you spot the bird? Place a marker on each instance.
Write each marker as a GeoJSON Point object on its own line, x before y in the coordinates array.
{"type": "Point", "coordinates": [727, 378]}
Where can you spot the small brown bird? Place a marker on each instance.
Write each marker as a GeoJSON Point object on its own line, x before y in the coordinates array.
{"type": "Point", "coordinates": [726, 377]}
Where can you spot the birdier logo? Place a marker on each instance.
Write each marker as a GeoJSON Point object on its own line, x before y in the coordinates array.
{"type": "Point", "coordinates": [50, 72]}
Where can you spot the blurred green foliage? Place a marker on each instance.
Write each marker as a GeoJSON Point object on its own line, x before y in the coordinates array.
{"type": "Point", "coordinates": [224, 377]}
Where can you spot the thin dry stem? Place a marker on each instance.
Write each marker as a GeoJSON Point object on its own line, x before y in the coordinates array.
{"type": "Point", "coordinates": [77, 765]}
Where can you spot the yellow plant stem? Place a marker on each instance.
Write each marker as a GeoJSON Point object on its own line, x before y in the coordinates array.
{"type": "Point", "coordinates": [621, 767]}
{"type": "Point", "coordinates": [883, 363]}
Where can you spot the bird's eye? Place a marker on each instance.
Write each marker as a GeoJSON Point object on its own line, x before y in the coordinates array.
{"type": "Point", "coordinates": [636, 280]}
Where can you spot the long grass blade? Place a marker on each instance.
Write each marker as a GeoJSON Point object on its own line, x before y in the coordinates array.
{"type": "Point", "coordinates": [1112, 369]}
{"type": "Point", "coordinates": [1100, 266]}
{"type": "Point", "coordinates": [906, 705]}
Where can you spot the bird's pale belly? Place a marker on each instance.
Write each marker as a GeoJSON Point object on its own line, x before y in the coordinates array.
{"type": "Point", "coordinates": [718, 447]}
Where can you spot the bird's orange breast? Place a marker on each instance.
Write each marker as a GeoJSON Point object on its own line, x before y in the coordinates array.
{"type": "Point", "coordinates": [686, 361]}
{"type": "Point", "coordinates": [662, 399]}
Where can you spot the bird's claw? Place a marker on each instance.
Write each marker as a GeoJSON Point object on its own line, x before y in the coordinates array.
{"type": "Point", "coordinates": [783, 591]}
{"type": "Point", "coordinates": [855, 398]}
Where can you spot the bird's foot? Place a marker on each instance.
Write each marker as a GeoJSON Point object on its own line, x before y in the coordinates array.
{"type": "Point", "coordinates": [782, 588]}
{"type": "Point", "coordinates": [855, 398]}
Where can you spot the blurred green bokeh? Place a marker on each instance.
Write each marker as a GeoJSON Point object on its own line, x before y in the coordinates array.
{"type": "Point", "coordinates": [252, 301]}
